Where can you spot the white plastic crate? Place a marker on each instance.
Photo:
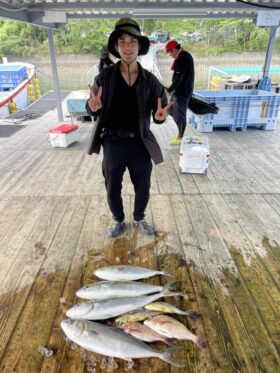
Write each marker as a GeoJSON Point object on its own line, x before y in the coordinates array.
{"type": "Point", "coordinates": [194, 155]}
{"type": "Point", "coordinates": [64, 135]}
{"type": "Point", "coordinates": [239, 109]}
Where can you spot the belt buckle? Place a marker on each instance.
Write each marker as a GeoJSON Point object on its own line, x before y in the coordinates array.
{"type": "Point", "coordinates": [105, 132]}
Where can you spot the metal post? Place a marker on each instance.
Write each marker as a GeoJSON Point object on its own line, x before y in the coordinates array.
{"type": "Point", "coordinates": [55, 76]}
{"type": "Point", "coordinates": [268, 56]}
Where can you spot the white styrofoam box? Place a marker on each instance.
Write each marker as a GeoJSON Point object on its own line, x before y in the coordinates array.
{"type": "Point", "coordinates": [194, 155]}
{"type": "Point", "coordinates": [64, 135]}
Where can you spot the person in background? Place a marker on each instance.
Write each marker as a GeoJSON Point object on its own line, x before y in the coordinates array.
{"type": "Point", "coordinates": [123, 97]}
{"type": "Point", "coordinates": [105, 59]}
{"type": "Point", "coordinates": [182, 86]}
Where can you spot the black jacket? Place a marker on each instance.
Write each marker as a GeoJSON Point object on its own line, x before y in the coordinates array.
{"type": "Point", "coordinates": [148, 89]}
{"type": "Point", "coordinates": [183, 76]}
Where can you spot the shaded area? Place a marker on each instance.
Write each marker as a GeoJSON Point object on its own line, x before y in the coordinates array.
{"type": "Point", "coordinates": [43, 105]}
{"type": "Point", "coordinates": [8, 130]}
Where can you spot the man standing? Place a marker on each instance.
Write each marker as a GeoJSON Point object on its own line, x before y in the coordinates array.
{"type": "Point", "coordinates": [123, 97]}
{"type": "Point", "coordinates": [182, 86]}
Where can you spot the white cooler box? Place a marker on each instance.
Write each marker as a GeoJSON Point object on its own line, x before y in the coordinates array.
{"type": "Point", "coordinates": [194, 155]}
{"type": "Point", "coordinates": [64, 135]}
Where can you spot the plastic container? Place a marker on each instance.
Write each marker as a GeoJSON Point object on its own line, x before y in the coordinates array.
{"type": "Point", "coordinates": [194, 155]}
{"type": "Point", "coordinates": [76, 103]}
{"type": "Point", "coordinates": [239, 109]}
{"type": "Point", "coordinates": [12, 75]}
{"type": "Point", "coordinates": [64, 135]}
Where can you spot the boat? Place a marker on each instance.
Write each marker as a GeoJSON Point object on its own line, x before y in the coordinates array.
{"type": "Point", "coordinates": [14, 80]}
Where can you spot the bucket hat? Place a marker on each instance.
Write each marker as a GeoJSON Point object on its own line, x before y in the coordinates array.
{"type": "Point", "coordinates": [131, 27]}
{"type": "Point", "coordinates": [170, 45]}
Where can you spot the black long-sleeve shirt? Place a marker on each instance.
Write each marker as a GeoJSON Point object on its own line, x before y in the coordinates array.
{"type": "Point", "coordinates": [183, 76]}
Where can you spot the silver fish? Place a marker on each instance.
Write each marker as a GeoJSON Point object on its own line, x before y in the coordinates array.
{"type": "Point", "coordinates": [105, 309]}
{"type": "Point", "coordinates": [116, 289]}
{"type": "Point", "coordinates": [164, 307]}
{"type": "Point", "coordinates": [110, 341]}
{"type": "Point", "coordinates": [125, 272]}
{"type": "Point", "coordinates": [172, 328]}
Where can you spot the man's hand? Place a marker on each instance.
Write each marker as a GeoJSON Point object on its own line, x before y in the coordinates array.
{"type": "Point", "coordinates": [95, 101]}
{"type": "Point", "coordinates": [161, 113]}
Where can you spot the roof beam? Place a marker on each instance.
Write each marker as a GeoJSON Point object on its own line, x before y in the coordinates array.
{"type": "Point", "coordinates": [22, 14]}
{"type": "Point", "coordinates": [147, 4]}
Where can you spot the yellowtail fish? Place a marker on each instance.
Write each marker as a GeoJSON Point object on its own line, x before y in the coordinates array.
{"type": "Point", "coordinates": [105, 309]}
{"type": "Point", "coordinates": [110, 341]}
{"type": "Point", "coordinates": [116, 289]}
{"type": "Point", "coordinates": [125, 272]}
{"type": "Point", "coordinates": [164, 307]}
{"type": "Point", "coordinates": [142, 332]}
{"type": "Point", "coordinates": [171, 328]}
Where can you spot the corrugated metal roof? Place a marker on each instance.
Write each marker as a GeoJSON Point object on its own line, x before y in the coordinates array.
{"type": "Point", "coordinates": [51, 13]}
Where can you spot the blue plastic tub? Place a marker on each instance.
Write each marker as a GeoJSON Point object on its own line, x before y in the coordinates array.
{"type": "Point", "coordinates": [239, 109]}
{"type": "Point", "coordinates": [12, 75]}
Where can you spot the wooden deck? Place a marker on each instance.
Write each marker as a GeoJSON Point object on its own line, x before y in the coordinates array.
{"type": "Point", "coordinates": [218, 234]}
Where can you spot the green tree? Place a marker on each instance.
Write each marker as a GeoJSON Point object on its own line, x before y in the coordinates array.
{"type": "Point", "coordinates": [19, 38]}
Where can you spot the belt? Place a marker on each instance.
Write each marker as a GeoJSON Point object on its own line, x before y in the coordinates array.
{"type": "Point", "coordinates": [106, 132]}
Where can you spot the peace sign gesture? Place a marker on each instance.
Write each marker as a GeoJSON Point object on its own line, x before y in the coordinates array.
{"type": "Point", "coordinates": [95, 100]}
{"type": "Point", "coordinates": [161, 113]}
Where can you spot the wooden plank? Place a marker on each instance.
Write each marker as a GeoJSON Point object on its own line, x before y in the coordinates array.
{"type": "Point", "coordinates": [231, 294]}
{"type": "Point", "coordinates": [44, 297]}
{"type": "Point", "coordinates": [186, 181]}
{"type": "Point", "coordinates": [205, 300]}
{"type": "Point", "coordinates": [267, 176]}
{"type": "Point", "coordinates": [19, 231]}
{"type": "Point", "coordinates": [273, 200]}
{"type": "Point", "coordinates": [88, 256]}
{"type": "Point", "coordinates": [167, 176]}
{"type": "Point", "coordinates": [262, 287]}
{"type": "Point", "coordinates": [267, 164]}
{"type": "Point", "coordinates": [171, 258]}
{"type": "Point", "coordinates": [13, 177]}
{"type": "Point", "coordinates": [258, 233]}
{"type": "Point", "coordinates": [228, 176]}
{"type": "Point", "coordinates": [246, 173]}
{"type": "Point", "coordinates": [19, 280]}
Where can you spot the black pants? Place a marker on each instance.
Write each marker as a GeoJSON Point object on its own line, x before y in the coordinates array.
{"type": "Point", "coordinates": [178, 111]}
{"type": "Point", "coordinates": [119, 154]}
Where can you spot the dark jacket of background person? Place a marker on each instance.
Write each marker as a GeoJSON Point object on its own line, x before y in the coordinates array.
{"type": "Point", "coordinates": [183, 76]}
{"type": "Point", "coordinates": [104, 63]}
{"type": "Point", "coordinates": [148, 90]}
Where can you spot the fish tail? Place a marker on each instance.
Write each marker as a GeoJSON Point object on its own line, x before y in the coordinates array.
{"type": "Point", "coordinates": [164, 273]}
{"type": "Point", "coordinates": [167, 293]}
{"type": "Point", "coordinates": [192, 314]}
{"type": "Point", "coordinates": [166, 356]}
{"type": "Point", "coordinates": [200, 342]}
{"type": "Point", "coordinates": [172, 285]}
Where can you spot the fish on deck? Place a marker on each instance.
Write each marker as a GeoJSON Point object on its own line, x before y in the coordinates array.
{"type": "Point", "coordinates": [164, 307]}
{"type": "Point", "coordinates": [171, 328]}
{"type": "Point", "coordinates": [116, 289]}
{"type": "Point", "coordinates": [105, 309]}
{"type": "Point", "coordinates": [126, 272]}
{"type": "Point", "coordinates": [110, 341]}
{"type": "Point", "coordinates": [142, 332]}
